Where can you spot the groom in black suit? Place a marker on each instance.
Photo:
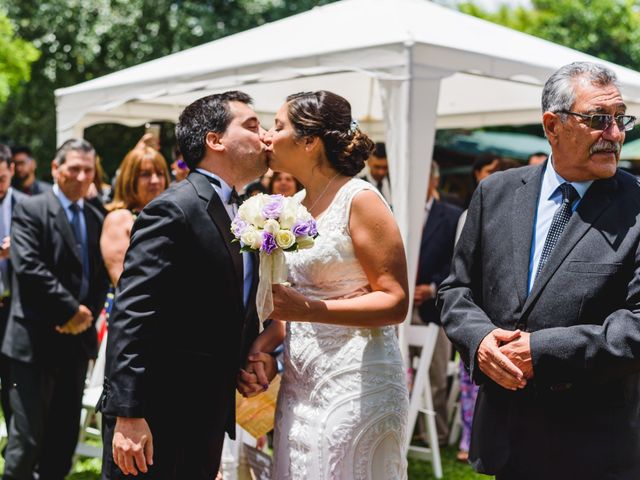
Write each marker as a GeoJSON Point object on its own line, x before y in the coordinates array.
{"type": "Point", "coordinates": [544, 297]}
{"type": "Point", "coordinates": [184, 315]}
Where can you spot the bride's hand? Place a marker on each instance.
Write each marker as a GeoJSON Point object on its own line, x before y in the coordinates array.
{"type": "Point", "coordinates": [259, 371]}
{"type": "Point", "coordinates": [290, 305]}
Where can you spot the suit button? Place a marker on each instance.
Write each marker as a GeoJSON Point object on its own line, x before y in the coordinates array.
{"type": "Point", "coordinates": [520, 326]}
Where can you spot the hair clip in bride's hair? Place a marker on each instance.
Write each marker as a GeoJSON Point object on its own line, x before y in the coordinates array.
{"type": "Point", "coordinates": [353, 126]}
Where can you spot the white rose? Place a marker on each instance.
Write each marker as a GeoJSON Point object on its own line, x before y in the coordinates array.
{"type": "Point", "coordinates": [271, 226]}
{"type": "Point", "coordinates": [251, 211]}
{"type": "Point", "coordinates": [305, 242]}
{"type": "Point", "coordinates": [251, 238]}
{"type": "Point", "coordinates": [288, 215]}
{"type": "Point", "coordinates": [285, 239]}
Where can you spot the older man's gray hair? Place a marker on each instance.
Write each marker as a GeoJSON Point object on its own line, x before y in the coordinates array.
{"type": "Point", "coordinates": [559, 91]}
{"type": "Point", "coordinates": [73, 144]}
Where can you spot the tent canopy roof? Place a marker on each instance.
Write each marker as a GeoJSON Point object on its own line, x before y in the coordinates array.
{"type": "Point", "coordinates": [493, 74]}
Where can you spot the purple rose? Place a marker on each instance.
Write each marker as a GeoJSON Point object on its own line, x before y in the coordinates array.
{"type": "Point", "coordinates": [237, 226]}
{"type": "Point", "coordinates": [313, 229]}
{"type": "Point", "coordinates": [301, 229]}
{"type": "Point", "coordinates": [268, 243]}
{"type": "Point", "coordinates": [273, 209]}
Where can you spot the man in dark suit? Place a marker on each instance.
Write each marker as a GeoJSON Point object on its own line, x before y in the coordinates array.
{"type": "Point", "coordinates": [434, 264]}
{"type": "Point", "coordinates": [59, 285]}
{"type": "Point", "coordinates": [8, 200]}
{"type": "Point", "coordinates": [169, 395]}
{"type": "Point", "coordinates": [544, 299]}
{"type": "Point", "coordinates": [25, 179]}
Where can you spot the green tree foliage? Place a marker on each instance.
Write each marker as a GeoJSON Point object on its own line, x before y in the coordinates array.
{"type": "Point", "coordinates": [16, 57]}
{"type": "Point", "coordinates": [83, 40]}
{"type": "Point", "coordinates": [608, 29]}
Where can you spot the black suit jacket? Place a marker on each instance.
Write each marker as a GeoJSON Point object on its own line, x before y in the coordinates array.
{"type": "Point", "coordinates": [179, 331]}
{"type": "Point", "coordinates": [436, 250]}
{"type": "Point", "coordinates": [579, 417]}
{"type": "Point", "coordinates": [16, 197]}
{"type": "Point", "coordinates": [47, 273]}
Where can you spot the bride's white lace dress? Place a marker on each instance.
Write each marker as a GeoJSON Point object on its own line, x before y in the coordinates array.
{"type": "Point", "coordinates": [343, 402]}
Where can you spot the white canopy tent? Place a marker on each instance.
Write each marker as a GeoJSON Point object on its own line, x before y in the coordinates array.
{"type": "Point", "coordinates": [407, 67]}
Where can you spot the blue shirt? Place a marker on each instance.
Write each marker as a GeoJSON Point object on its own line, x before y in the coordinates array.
{"type": "Point", "coordinates": [548, 202]}
{"type": "Point", "coordinates": [224, 192]}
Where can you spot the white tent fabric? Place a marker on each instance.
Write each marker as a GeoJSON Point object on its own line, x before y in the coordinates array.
{"type": "Point", "coordinates": [406, 66]}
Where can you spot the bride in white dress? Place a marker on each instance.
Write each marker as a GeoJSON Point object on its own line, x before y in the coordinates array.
{"type": "Point", "coordinates": [342, 407]}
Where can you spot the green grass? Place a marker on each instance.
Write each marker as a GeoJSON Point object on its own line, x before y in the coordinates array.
{"type": "Point", "coordinates": [89, 469]}
{"type": "Point", "coordinates": [452, 469]}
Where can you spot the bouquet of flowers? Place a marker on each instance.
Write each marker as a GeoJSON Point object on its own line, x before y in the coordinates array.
{"type": "Point", "coordinates": [271, 225]}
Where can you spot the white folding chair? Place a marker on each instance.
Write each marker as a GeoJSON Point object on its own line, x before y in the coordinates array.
{"type": "Point", "coordinates": [92, 392]}
{"type": "Point", "coordinates": [421, 400]}
{"type": "Point", "coordinates": [453, 402]}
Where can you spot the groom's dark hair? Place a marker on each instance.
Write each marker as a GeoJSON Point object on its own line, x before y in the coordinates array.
{"type": "Point", "coordinates": [207, 114]}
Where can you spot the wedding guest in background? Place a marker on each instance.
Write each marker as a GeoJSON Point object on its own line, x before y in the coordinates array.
{"type": "Point", "coordinates": [24, 179]}
{"type": "Point", "coordinates": [543, 298]}
{"type": "Point", "coordinates": [284, 184]}
{"type": "Point", "coordinates": [537, 158]}
{"type": "Point", "coordinates": [143, 176]}
{"type": "Point", "coordinates": [179, 169]}
{"type": "Point", "coordinates": [59, 285]}
{"type": "Point", "coordinates": [377, 171]}
{"type": "Point", "coordinates": [254, 188]}
{"type": "Point", "coordinates": [99, 190]}
{"type": "Point", "coordinates": [9, 198]}
{"type": "Point", "coordinates": [434, 263]}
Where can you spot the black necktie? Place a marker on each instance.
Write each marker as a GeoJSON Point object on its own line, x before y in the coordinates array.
{"type": "Point", "coordinates": [82, 248]}
{"type": "Point", "coordinates": [379, 186]}
{"type": "Point", "coordinates": [559, 222]}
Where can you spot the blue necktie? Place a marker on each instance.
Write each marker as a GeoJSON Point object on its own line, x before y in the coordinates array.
{"type": "Point", "coordinates": [83, 248]}
{"type": "Point", "coordinates": [559, 222]}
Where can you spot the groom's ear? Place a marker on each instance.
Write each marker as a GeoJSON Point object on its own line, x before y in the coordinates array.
{"type": "Point", "coordinates": [213, 142]}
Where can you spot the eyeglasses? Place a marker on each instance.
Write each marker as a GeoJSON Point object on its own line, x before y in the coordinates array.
{"type": "Point", "coordinates": [602, 121]}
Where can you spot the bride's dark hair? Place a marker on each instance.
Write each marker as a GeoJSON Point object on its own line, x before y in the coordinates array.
{"type": "Point", "coordinates": [327, 116]}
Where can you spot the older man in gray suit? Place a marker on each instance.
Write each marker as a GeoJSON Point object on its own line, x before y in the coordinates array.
{"type": "Point", "coordinates": [543, 300]}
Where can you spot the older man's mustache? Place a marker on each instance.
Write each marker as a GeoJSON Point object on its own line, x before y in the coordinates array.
{"type": "Point", "coordinates": [606, 146]}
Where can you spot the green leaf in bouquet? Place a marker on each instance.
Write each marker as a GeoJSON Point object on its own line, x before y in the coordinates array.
{"type": "Point", "coordinates": [246, 249]}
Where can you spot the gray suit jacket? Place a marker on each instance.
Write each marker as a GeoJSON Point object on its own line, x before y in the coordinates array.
{"type": "Point", "coordinates": [580, 415]}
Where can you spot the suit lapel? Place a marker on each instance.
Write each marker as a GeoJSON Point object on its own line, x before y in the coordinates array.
{"type": "Point", "coordinates": [62, 224]}
{"type": "Point", "coordinates": [594, 203]}
{"type": "Point", "coordinates": [220, 218]}
{"type": "Point", "coordinates": [523, 216]}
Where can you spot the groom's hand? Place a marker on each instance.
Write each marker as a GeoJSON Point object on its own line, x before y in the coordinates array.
{"type": "Point", "coordinates": [132, 445]}
{"type": "Point", "coordinates": [255, 378]}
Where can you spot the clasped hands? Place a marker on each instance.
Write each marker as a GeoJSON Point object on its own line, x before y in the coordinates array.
{"type": "Point", "coordinates": [254, 379]}
{"type": "Point", "coordinates": [505, 357]}
{"type": "Point", "coordinates": [77, 324]}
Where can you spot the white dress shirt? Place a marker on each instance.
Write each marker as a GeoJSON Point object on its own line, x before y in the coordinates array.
{"type": "Point", "coordinates": [224, 192]}
{"type": "Point", "coordinates": [548, 202]}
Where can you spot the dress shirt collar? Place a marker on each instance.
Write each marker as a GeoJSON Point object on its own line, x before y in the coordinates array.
{"type": "Point", "coordinates": [224, 191]}
{"type": "Point", "coordinates": [66, 203]}
{"type": "Point", "coordinates": [552, 180]}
